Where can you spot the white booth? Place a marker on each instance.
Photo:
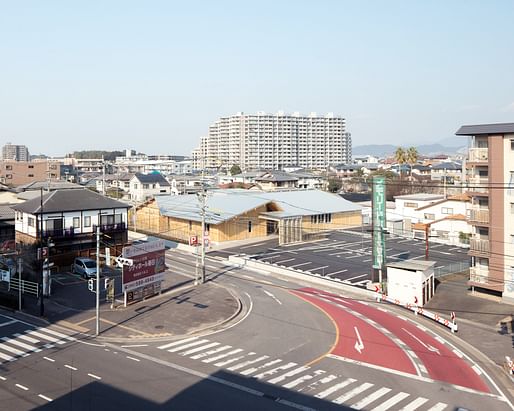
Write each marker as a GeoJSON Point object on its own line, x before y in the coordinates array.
{"type": "Point", "coordinates": [411, 281]}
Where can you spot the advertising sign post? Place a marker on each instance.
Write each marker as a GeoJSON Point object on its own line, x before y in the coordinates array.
{"type": "Point", "coordinates": [379, 226]}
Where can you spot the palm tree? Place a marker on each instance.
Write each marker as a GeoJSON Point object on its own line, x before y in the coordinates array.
{"type": "Point", "coordinates": [400, 155]}
{"type": "Point", "coordinates": [411, 156]}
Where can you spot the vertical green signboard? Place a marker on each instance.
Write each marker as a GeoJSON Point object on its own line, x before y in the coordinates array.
{"type": "Point", "coordinates": [379, 222]}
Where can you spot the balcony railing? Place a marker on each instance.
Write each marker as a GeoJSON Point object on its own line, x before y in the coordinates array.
{"type": "Point", "coordinates": [478, 275]}
{"type": "Point", "coordinates": [479, 184]}
{"type": "Point", "coordinates": [479, 154]}
{"type": "Point", "coordinates": [59, 233]}
{"type": "Point", "coordinates": [479, 215]}
{"type": "Point", "coordinates": [480, 246]}
{"type": "Point", "coordinates": [111, 228]}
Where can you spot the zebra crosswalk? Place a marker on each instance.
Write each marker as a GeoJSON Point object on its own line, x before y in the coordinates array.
{"type": "Point", "coordinates": [27, 339]}
{"type": "Point", "coordinates": [339, 389]}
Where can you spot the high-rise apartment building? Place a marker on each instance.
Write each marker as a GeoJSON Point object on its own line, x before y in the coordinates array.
{"type": "Point", "coordinates": [490, 168]}
{"type": "Point", "coordinates": [274, 141]}
{"type": "Point", "coordinates": [15, 152]}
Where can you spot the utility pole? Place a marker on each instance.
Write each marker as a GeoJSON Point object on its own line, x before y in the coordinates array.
{"type": "Point", "coordinates": [426, 241]}
{"type": "Point", "coordinates": [19, 282]}
{"type": "Point", "coordinates": [202, 197]}
{"type": "Point", "coordinates": [41, 301]}
{"type": "Point", "coordinates": [98, 277]}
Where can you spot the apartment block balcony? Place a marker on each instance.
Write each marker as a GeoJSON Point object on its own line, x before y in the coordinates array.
{"type": "Point", "coordinates": [479, 215]}
{"type": "Point", "coordinates": [478, 155]}
{"type": "Point", "coordinates": [479, 246]}
{"type": "Point", "coordinates": [478, 275]}
{"type": "Point", "coordinates": [478, 185]}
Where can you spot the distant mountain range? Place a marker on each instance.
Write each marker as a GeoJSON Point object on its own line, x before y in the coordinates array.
{"type": "Point", "coordinates": [449, 146]}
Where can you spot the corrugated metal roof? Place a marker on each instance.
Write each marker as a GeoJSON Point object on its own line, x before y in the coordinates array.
{"type": "Point", "coordinates": [412, 265]}
{"type": "Point", "coordinates": [474, 130]}
{"type": "Point", "coordinates": [69, 200]}
{"type": "Point", "coordinates": [6, 212]}
{"type": "Point", "coordinates": [223, 205]}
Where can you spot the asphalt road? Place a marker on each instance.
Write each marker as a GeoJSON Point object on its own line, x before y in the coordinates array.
{"type": "Point", "coordinates": [292, 348]}
{"type": "Point", "coordinates": [346, 255]}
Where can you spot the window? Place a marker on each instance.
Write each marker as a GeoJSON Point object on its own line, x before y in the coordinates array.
{"type": "Point", "coordinates": [512, 208]}
{"type": "Point", "coordinates": [162, 191]}
{"type": "Point", "coordinates": [110, 219]}
{"type": "Point", "coordinates": [31, 166]}
{"type": "Point", "coordinates": [446, 210]}
{"type": "Point", "coordinates": [190, 225]}
{"type": "Point", "coordinates": [87, 221]}
{"type": "Point", "coordinates": [512, 144]}
{"type": "Point", "coordinates": [8, 167]}
{"type": "Point", "coordinates": [411, 205]}
{"type": "Point", "coordinates": [145, 186]}
{"type": "Point", "coordinates": [512, 238]}
{"type": "Point", "coordinates": [9, 176]}
{"type": "Point", "coordinates": [31, 221]}
{"type": "Point", "coordinates": [31, 175]}
{"type": "Point", "coordinates": [76, 222]}
{"type": "Point", "coordinates": [429, 216]}
{"type": "Point", "coordinates": [249, 226]}
{"type": "Point", "coordinates": [153, 186]}
{"type": "Point", "coordinates": [135, 186]}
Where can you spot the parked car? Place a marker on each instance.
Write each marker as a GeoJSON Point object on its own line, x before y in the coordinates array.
{"type": "Point", "coordinates": [86, 267]}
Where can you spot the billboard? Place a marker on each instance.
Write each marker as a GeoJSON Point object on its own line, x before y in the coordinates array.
{"type": "Point", "coordinates": [148, 265]}
{"type": "Point", "coordinates": [379, 222]}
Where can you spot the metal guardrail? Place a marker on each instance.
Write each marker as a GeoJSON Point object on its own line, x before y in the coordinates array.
{"type": "Point", "coordinates": [27, 287]}
{"type": "Point", "coordinates": [452, 268]}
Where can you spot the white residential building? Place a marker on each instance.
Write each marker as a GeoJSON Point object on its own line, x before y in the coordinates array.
{"type": "Point", "coordinates": [146, 186]}
{"type": "Point", "coordinates": [274, 141]}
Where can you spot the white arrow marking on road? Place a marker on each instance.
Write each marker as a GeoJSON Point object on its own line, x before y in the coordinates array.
{"type": "Point", "coordinates": [359, 346]}
{"type": "Point", "coordinates": [427, 346]}
{"type": "Point", "coordinates": [272, 296]}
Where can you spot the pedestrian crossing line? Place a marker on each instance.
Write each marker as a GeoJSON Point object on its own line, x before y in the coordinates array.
{"type": "Point", "coordinates": [245, 363]}
{"type": "Point", "coordinates": [302, 379]}
{"type": "Point", "coordinates": [197, 349]}
{"type": "Point", "coordinates": [231, 360]}
{"type": "Point", "coordinates": [26, 338]}
{"type": "Point", "coordinates": [352, 393]}
{"type": "Point", "coordinates": [29, 348]}
{"type": "Point", "coordinates": [6, 357]}
{"type": "Point", "coordinates": [438, 407]}
{"type": "Point", "coordinates": [414, 405]}
{"type": "Point", "coordinates": [44, 337]}
{"type": "Point", "coordinates": [314, 385]}
{"type": "Point", "coordinates": [275, 370]}
{"type": "Point", "coordinates": [219, 357]}
{"type": "Point", "coordinates": [391, 401]}
{"type": "Point", "coordinates": [215, 351]}
{"type": "Point", "coordinates": [186, 346]}
{"type": "Point", "coordinates": [335, 388]}
{"type": "Point", "coordinates": [13, 350]}
{"type": "Point", "coordinates": [288, 374]}
{"type": "Point", "coordinates": [165, 346]}
{"type": "Point", "coordinates": [370, 398]}
{"type": "Point", "coordinates": [253, 369]}
{"type": "Point", "coordinates": [58, 334]}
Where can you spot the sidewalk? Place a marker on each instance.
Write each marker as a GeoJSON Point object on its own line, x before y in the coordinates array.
{"type": "Point", "coordinates": [484, 321]}
{"type": "Point", "coordinates": [181, 309]}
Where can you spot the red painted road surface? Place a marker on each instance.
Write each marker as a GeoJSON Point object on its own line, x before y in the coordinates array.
{"type": "Point", "coordinates": [378, 348]}
{"type": "Point", "coordinates": [440, 361]}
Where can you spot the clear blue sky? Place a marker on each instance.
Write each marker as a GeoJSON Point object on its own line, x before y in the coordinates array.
{"type": "Point", "coordinates": [153, 75]}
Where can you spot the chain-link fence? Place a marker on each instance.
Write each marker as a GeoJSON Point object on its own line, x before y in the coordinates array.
{"type": "Point", "coordinates": [452, 268]}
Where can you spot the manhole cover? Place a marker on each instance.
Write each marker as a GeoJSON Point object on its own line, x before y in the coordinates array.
{"type": "Point", "coordinates": [159, 327]}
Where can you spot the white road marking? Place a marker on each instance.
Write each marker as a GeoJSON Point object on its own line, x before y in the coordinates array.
{"type": "Point", "coordinates": [359, 345]}
{"type": "Point", "coordinates": [231, 360]}
{"type": "Point", "coordinates": [133, 359]}
{"type": "Point", "coordinates": [418, 402]}
{"type": "Point", "coordinates": [319, 268]}
{"type": "Point", "coordinates": [136, 345]}
{"type": "Point", "coordinates": [391, 401]}
{"type": "Point", "coordinates": [201, 348]}
{"type": "Point", "coordinates": [96, 377]}
{"type": "Point", "coordinates": [163, 347]}
{"type": "Point", "coordinates": [10, 322]}
{"type": "Point", "coordinates": [275, 370]}
{"type": "Point", "coordinates": [20, 344]}
{"type": "Point", "coordinates": [266, 365]}
{"type": "Point", "coordinates": [299, 265]}
{"type": "Point", "coordinates": [185, 346]}
{"type": "Point", "coordinates": [245, 363]}
{"type": "Point", "coordinates": [272, 296]}
{"type": "Point", "coordinates": [285, 261]}
{"type": "Point", "coordinates": [287, 375]}
{"type": "Point", "coordinates": [352, 393]}
{"type": "Point", "coordinates": [302, 379]}
{"type": "Point", "coordinates": [26, 338]}
{"type": "Point", "coordinates": [477, 369]}
{"type": "Point", "coordinates": [13, 350]}
{"type": "Point", "coordinates": [44, 337]}
{"type": "Point", "coordinates": [6, 357]}
{"type": "Point", "coordinates": [370, 398]}
{"type": "Point", "coordinates": [358, 276]}
{"type": "Point", "coordinates": [337, 272]}
{"type": "Point", "coordinates": [3, 378]}
{"type": "Point", "coordinates": [367, 260]}
{"type": "Point", "coordinates": [64, 336]}
{"type": "Point", "coordinates": [70, 367]}
{"type": "Point", "coordinates": [314, 384]}
{"type": "Point", "coordinates": [219, 357]}
{"type": "Point", "coordinates": [49, 359]}
{"type": "Point", "coordinates": [438, 407]}
{"type": "Point", "coordinates": [427, 346]}
{"type": "Point", "coordinates": [458, 353]}
{"type": "Point", "coordinates": [22, 387]}
{"type": "Point", "coordinates": [335, 388]}
{"type": "Point", "coordinates": [45, 397]}
{"type": "Point", "coordinates": [206, 354]}
{"type": "Point", "coordinates": [354, 256]}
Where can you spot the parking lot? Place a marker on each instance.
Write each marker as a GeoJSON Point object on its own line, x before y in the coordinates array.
{"type": "Point", "coordinates": [346, 255]}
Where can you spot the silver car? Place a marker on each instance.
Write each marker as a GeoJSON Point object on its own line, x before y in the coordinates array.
{"type": "Point", "coordinates": [86, 267]}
